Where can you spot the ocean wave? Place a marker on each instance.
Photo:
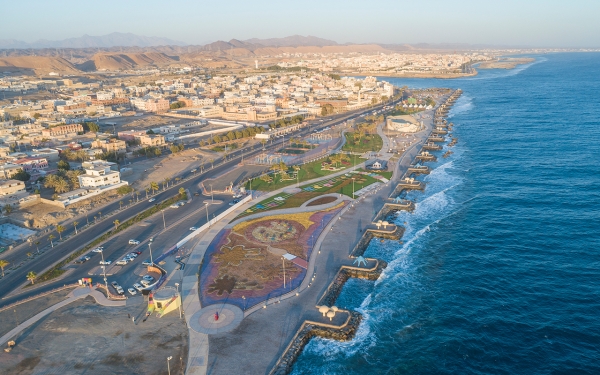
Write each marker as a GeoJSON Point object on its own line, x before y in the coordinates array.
{"type": "Point", "coordinates": [462, 105]}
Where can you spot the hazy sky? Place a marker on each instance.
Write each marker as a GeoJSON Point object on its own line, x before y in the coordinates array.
{"type": "Point", "coordinates": [572, 23]}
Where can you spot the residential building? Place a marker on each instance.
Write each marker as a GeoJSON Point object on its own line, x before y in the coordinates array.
{"type": "Point", "coordinates": [32, 164]}
{"type": "Point", "coordinates": [98, 173]}
{"type": "Point", "coordinates": [8, 187]}
{"type": "Point", "coordinates": [152, 140]}
{"type": "Point", "coordinates": [56, 131]}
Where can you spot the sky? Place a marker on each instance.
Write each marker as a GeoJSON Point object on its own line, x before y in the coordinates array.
{"type": "Point", "coordinates": [535, 23]}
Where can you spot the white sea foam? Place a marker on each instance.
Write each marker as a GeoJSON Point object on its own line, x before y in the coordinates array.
{"type": "Point", "coordinates": [462, 105]}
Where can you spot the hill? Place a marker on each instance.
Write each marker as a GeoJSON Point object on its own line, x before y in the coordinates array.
{"type": "Point", "coordinates": [38, 64]}
{"type": "Point", "coordinates": [123, 61]}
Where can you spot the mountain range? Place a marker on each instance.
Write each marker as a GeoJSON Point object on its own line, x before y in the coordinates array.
{"type": "Point", "coordinates": [89, 41]}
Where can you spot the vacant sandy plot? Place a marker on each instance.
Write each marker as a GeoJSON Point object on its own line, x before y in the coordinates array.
{"type": "Point", "coordinates": [84, 337]}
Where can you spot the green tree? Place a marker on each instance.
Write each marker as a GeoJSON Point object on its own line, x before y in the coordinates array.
{"type": "Point", "coordinates": [7, 209]}
{"type": "Point", "coordinates": [91, 127]}
{"type": "Point", "coordinates": [64, 165]}
{"type": "Point", "coordinates": [50, 238]}
{"type": "Point", "coordinates": [181, 191]}
{"type": "Point", "coordinates": [3, 263]}
{"type": "Point", "coordinates": [154, 186]}
{"type": "Point", "coordinates": [21, 175]}
{"type": "Point", "coordinates": [126, 189]}
{"type": "Point", "coordinates": [31, 276]}
{"type": "Point", "coordinates": [60, 229]}
{"type": "Point", "coordinates": [36, 115]}
{"type": "Point", "coordinates": [157, 152]}
{"type": "Point", "coordinates": [116, 223]}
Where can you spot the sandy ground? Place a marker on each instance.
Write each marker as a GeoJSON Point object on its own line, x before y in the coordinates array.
{"type": "Point", "coordinates": [19, 314]}
{"type": "Point", "coordinates": [506, 63]}
{"type": "Point", "coordinates": [147, 171]}
{"type": "Point", "coordinates": [43, 215]}
{"type": "Point", "coordinates": [86, 338]}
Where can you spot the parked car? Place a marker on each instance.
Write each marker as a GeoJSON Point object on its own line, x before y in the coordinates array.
{"type": "Point", "coordinates": [145, 283]}
{"type": "Point", "coordinates": [137, 252]}
{"type": "Point", "coordinates": [138, 287]}
{"type": "Point", "coordinates": [120, 290]}
{"type": "Point", "coordinates": [134, 254]}
{"type": "Point", "coordinates": [114, 284]}
{"type": "Point", "coordinates": [147, 262]}
{"type": "Point", "coordinates": [131, 291]}
{"type": "Point", "coordinates": [106, 262]}
{"type": "Point", "coordinates": [134, 242]}
{"type": "Point", "coordinates": [151, 199]}
{"type": "Point", "coordinates": [122, 262]}
{"type": "Point", "coordinates": [148, 277]}
{"type": "Point", "coordinates": [193, 229]}
{"type": "Point", "coordinates": [174, 205]}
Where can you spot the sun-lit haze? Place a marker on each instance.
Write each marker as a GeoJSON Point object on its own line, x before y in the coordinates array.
{"type": "Point", "coordinates": [535, 23]}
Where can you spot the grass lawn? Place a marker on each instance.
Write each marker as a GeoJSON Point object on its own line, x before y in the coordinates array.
{"type": "Point", "coordinates": [307, 172]}
{"type": "Point", "coordinates": [370, 142]}
{"type": "Point", "coordinates": [337, 185]}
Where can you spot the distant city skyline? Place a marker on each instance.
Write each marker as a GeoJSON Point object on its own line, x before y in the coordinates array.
{"type": "Point", "coordinates": [535, 23]}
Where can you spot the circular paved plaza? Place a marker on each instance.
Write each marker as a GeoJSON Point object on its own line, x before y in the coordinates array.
{"type": "Point", "coordinates": [205, 320]}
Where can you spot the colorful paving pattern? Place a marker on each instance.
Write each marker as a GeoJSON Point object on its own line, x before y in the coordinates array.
{"type": "Point", "coordinates": [244, 265]}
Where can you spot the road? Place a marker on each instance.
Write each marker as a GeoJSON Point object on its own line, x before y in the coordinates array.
{"type": "Point", "coordinates": [189, 181]}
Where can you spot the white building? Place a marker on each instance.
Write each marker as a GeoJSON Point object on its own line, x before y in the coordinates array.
{"type": "Point", "coordinates": [98, 173]}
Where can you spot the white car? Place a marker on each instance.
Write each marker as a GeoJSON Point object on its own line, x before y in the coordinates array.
{"type": "Point", "coordinates": [106, 262]}
{"type": "Point", "coordinates": [193, 229]}
{"type": "Point", "coordinates": [122, 262]}
{"type": "Point", "coordinates": [145, 283]}
{"type": "Point", "coordinates": [138, 287]}
{"type": "Point", "coordinates": [131, 291]}
{"type": "Point", "coordinates": [134, 242]}
{"type": "Point", "coordinates": [148, 277]}
{"type": "Point", "coordinates": [98, 249]}
{"type": "Point", "coordinates": [151, 199]}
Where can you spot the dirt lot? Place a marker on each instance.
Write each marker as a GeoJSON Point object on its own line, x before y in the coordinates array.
{"type": "Point", "coordinates": [147, 171]}
{"type": "Point", "coordinates": [19, 314]}
{"type": "Point", "coordinates": [43, 215]}
{"type": "Point", "coordinates": [86, 338]}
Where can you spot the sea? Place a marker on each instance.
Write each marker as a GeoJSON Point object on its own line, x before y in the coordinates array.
{"type": "Point", "coordinates": [498, 271]}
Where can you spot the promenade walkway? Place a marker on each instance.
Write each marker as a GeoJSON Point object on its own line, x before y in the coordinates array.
{"type": "Point", "coordinates": [255, 345]}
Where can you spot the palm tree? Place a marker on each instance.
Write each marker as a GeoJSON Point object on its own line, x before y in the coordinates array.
{"type": "Point", "coordinates": [167, 179]}
{"type": "Point", "coordinates": [60, 229]}
{"type": "Point", "coordinates": [3, 263]}
{"type": "Point", "coordinates": [75, 224]}
{"type": "Point", "coordinates": [61, 186]}
{"type": "Point", "coordinates": [181, 191]}
{"type": "Point", "coordinates": [7, 209]}
{"type": "Point", "coordinates": [31, 276]}
{"type": "Point", "coordinates": [29, 255]}
{"type": "Point", "coordinates": [51, 237]}
{"type": "Point", "coordinates": [116, 223]}
{"type": "Point", "coordinates": [154, 187]}
{"type": "Point", "coordinates": [100, 214]}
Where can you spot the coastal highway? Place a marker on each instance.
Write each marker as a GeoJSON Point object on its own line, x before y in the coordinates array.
{"type": "Point", "coordinates": [15, 278]}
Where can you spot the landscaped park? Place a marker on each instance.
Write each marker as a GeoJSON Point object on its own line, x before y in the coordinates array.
{"type": "Point", "coordinates": [253, 260]}
{"type": "Point", "coordinates": [360, 142]}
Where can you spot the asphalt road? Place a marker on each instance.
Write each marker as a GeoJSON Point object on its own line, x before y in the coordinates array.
{"type": "Point", "coordinates": [61, 249]}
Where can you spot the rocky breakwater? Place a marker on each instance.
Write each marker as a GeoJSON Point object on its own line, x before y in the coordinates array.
{"type": "Point", "coordinates": [311, 329]}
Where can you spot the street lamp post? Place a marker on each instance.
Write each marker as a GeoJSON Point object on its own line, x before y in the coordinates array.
{"type": "Point", "coordinates": [177, 287]}
{"type": "Point", "coordinates": [164, 222]}
{"type": "Point", "coordinates": [212, 197]}
{"type": "Point", "coordinates": [168, 365]}
{"type": "Point", "coordinates": [104, 273]}
{"type": "Point", "coordinates": [353, 188]}
{"type": "Point", "coordinates": [207, 219]}
{"type": "Point", "coordinates": [150, 247]}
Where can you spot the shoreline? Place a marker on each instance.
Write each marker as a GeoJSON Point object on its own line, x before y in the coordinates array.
{"type": "Point", "coordinates": [277, 325]}
{"type": "Point", "coordinates": [413, 75]}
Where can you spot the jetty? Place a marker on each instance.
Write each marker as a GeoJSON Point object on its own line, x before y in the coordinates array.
{"type": "Point", "coordinates": [418, 169]}
{"type": "Point", "coordinates": [431, 146]}
{"type": "Point", "coordinates": [425, 156]}
{"type": "Point", "coordinates": [437, 139]}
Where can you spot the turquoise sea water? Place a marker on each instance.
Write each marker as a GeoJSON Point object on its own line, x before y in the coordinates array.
{"type": "Point", "coordinates": [499, 272]}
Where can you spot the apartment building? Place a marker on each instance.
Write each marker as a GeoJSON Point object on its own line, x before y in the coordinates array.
{"type": "Point", "coordinates": [152, 140]}
{"type": "Point", "coordinates": [8, 187]}
{"type": "Point", "coordinates": [62, 130]}
{"type": "Point", "coordinates": [113, 145]}
{"type": "Point", "coordinates": [98, 173]}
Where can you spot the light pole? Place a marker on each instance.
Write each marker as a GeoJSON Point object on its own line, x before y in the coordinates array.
{"type": "Point", "coordinates": [207, 219]}
{"type": "Point", "coordinates": [150, 247]}
{"type": "Point", "coordinates": [353, 188]}
{"type": "Point", "coordinates": [164, 222]}
{"type": "Point", "coordinates": [283, 263]}
{"type": "Point", "coordinates": [104, 272]}
{"type": "Point", "coordinates": [168, 365]}
{"type": "Point", "coordinates": [177, 287]}
{"type": "Point", "coordinates": [212, 197]}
